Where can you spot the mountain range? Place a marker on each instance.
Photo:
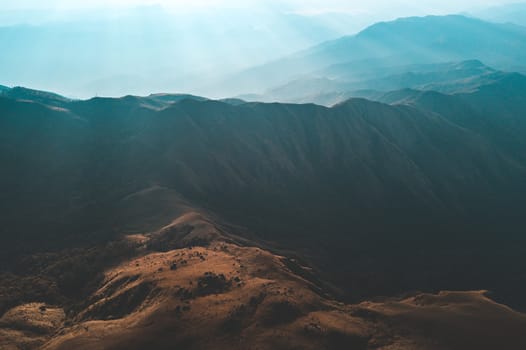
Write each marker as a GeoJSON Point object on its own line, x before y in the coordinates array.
{"type": "Point", "coordinates": [385, 46]}
{"type": "Point", "coordinates": [379, 204]}
{"type": "Point", "coordinates": [332, 87]}
{"type": "Point", "coordinates": [505, 13]}
{"type": "Point", "coordinates": [420, 192]}
{"type": "Point", "coordinates": [358, 171]}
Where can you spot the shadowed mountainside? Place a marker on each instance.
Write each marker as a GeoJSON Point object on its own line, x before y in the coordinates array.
{"type": "Point", "coordinates": [382, 198]}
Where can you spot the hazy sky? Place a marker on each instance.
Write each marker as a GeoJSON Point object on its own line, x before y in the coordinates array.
{"type": "Point", "coordinates": [305, 6]}
{"type": "Point", "coordinates": [88, 47]}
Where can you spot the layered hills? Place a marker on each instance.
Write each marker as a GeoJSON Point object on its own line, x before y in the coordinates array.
{"type": "Point", "coordinates": [340, 82]}
{"type": "Point", "coordinates": [389, 55]}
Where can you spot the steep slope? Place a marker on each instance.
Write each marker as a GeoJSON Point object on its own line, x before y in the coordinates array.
{"type": "Point", "coordinates": [494, 110]}
{"type": "Point", "coordinates": [368, 192]}
{"type": "Point", "coordinates": [57, 155]}
{"type": "Point", "coordinates": [182, 146]}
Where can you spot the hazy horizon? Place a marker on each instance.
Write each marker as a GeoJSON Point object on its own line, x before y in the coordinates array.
{"type": "Point", "coordinates": [380, 7]}
{"type": "Point", "coordinates": [117, 47]}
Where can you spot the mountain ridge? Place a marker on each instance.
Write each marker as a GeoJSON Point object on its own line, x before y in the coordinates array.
{"type": "Point", "coordinates": [402, 41]}
{"type": "Point", "coordinates": [359, 172]}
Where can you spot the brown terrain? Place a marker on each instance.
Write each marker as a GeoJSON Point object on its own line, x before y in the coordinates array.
{"type": "Point", "coordinates": [191, 285]}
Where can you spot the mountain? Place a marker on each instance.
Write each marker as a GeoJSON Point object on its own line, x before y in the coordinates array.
{"type": "Point", "coordinates": [505, 13]}
{"type": "Point", "coordinates": [139, 50]}
{"type": "Point", "coordinates": [341, 82]}
{"type": "Point", "coordinates": [248, 219]}
{"type": "Point", "coordinates": [477, 110]}
{"type": "Point", "coordinates": [450, 77]}
{"type": "Point", "coordinates": [222, 294]}
{"type": "Point", "coordinates": [414, 40]}
{"type": "Point", "coordinates": [374, 195]}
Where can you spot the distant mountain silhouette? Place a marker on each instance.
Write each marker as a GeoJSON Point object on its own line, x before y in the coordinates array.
{"type": "Point", "coordinates": [414, 40]}
{"type": "Point", "coordinates": [505, 13]}
{"type": "Point", "coordinates": [341, 82]}
{"type": "Point", "coordinates": [144, 51]}
{"type": "Point", "coordinates": [452, 77]}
